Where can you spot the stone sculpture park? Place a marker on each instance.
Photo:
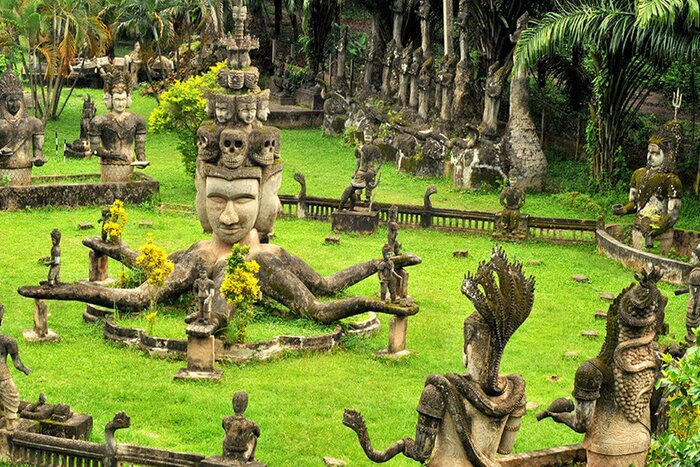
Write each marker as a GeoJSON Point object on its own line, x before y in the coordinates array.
{"type": "Point", "coordinates": [406, 106]}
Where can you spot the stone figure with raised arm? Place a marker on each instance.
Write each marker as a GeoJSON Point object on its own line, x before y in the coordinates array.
{"type": "Point", "coordinates": [9, 396]}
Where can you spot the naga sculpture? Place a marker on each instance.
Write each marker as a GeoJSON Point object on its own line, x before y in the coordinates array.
{"type": "Point", "coordinates": [613, 391]}
{"type": "Point", "coordinates": [20, 134]}
{"type": "Point", "coordinates": [655, 192]}
{"type": "Point", "coordinates": [238, 175]}
{"type": "Point", "coordinates": [465, 419]}
{"type": "Point", "coordinates": [120, 421]}
{"type": "Point", "coordinates": [119, 137]}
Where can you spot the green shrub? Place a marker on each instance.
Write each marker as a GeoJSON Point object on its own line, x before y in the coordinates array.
{"type": "Point", "coordinates": [182, 110]}
{"type": "Point", "coordinates": [680, 444]}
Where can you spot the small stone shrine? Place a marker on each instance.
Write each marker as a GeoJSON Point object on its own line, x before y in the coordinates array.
{"type": "Point", "coordinates": [21, 136]}
{"type": "Point", "coordinates": [9, 397]}
{"type": "Point", "coordinates": [465, 419]}
{"type": "Point", "coordinates": [119, 137]}
{"type": "Point", "coordinates": [613, 391]}
{"type": "Point", "coordinates": [655, 192]}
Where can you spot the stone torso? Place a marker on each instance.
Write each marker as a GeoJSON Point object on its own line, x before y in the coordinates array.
{"type": "Point", "coordinates": [118, 133]}
{"type": "Point", "coordinates": [16, 135]}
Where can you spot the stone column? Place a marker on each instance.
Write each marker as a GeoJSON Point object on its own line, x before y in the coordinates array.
{"type": "Point", "coordinates": [397, 9]}
{"type": "Point", "coordinates": [98, 269]}
{"type": "Point", "coordinates": [447, 26]}
{"type": "Point", "coordinates": [341, 81]}
{"type": "Point", "coordinates": [423, 13]}
{"type": "Point", "coordinates": [200, 354]}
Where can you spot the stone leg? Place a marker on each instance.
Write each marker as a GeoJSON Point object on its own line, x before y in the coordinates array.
{"type": "Point", "coordinates": [638, 241]}
{"type": "Point", "coordinates": [665, 241]}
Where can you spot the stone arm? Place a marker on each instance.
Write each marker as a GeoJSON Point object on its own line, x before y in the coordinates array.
{"type": "Point", "coordinates": [669, 220]}
{"type": "Point", "coordinates": [13, 350]}
{"type": "Point", "coordinates": [38, 144]}
{"type": "Point", "coordinates": [140, 140]}
{"type": "Point", "coordinates": [630, 207]}
{"type": "Point", "coordinates": [580, 419]}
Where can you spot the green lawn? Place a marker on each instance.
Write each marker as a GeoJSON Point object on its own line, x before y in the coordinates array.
{"type": "Point", "coordinates": [298, 401]}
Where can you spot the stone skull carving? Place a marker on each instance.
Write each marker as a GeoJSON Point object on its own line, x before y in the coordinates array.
{"type": "Point", "coordinates": [264, 143]}
{"type": "Point", "coordinates": [234, 147]}
{"type": "Point", "coordinates": [207, 143]}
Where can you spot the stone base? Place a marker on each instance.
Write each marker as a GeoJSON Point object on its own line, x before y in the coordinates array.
{"type": "Point", "coordinates": [517, 236]}
{"type": "Point", "coordinates": [17, 177]}
{"type": "Point", "coordinates": [384, 353]}
{"type": "Point", "coordinates": [185, 374]}
{"type": "Point", "coordinates": [282, 100]}
{"type": "Point", "coordinates": [355, 221]}
{"type": "Point", "coordinates": [78, 426]}
{"type": "Point", "coordinates": [116, 172]}
{"type": "Point", "coordinates": [222, 461]}
{"type": "Point", "coordinates": [31, 336]}
{"type": "Point", "coordinates": [310, 98]}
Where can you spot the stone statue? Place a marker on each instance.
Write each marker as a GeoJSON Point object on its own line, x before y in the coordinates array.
{"type": "Point", "coordinates": [655, 192]}
{"type": "Point", "coordinates": [413, 71]}
{"type": "Point", "coordinates": [135, 59]}
{"type": "Point", "coordinates": [492, 99]}
{"type": "Point", "coordinates": [9, 397]}
{"type": "Point", "coordinates": [613, 390]}
{"type": "Point", "coordinates": [237, 201]}
{"type": "Point", "coordinates": [465, 419]}
{"type": "Point", "coordinates": [119, 137]}
{"type": "Point", "coordinates": [425, 81]}
{"type": "Point", "coordinates": [204, 290]}
{"type": "Point", "coordinates": [20, 134]}
{"type": "Point", "coordinates": [424, 15]}
{"type": "Point", "coordinates": [81, 146]}
{"type": "Point", "coordinates": [241, 434]}
{"type": "Point", "coordinates": [512, 199]}
{"type": "Point", "coordinates": [387, 69]}
{"type": "Point", "coordinates": [104, 218]}
{"type": "Point", "coordinates": [448, 83]}
{"type": "Point", "coordinates": [389, 280]}
{"type": "Point", "coordinates": [692, 314]}
{"type": "Point", "coordinates": [54, 263]}
{"type": "Point", "coordinates": [405, 79]}
{"type": "Point", "coordinates": [40, 410]}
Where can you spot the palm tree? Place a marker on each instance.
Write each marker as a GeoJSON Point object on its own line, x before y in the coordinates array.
{"type": "Point", "coordinates": [629, 43]}
{"type": "Point", "coordinates": [51, 34]}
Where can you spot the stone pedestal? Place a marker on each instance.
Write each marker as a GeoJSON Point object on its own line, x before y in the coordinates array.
{"type": "Point", "coordinates": [41, 331]}
{"type": "Point", "coordinates": [200, 358]}
{"type": "Point", "coordinates": [116, 172]}
{"type": "Point", "coordinates": [281, 99]}
{"type": "Point", "coordinates": [98, 266]}
{"type": "Point", "coordinates": [355, 221]}
{"type": "Point", "coordinates": [398, 326]}
{"type": "Point", "coordinates": [17, 177]}
{"type": "Point", "coordinates": [78, 426]}
{"type": "Point", "coordinates": [30, 335]}
{"type": "Point", "coordinates": [520, 234]}
{"type": "Point", "coordinates": [221, 461]}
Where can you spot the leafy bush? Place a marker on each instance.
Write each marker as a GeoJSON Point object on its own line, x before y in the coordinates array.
{"type": "Point", "coordinates": [241, 289]}
{"type": "Point", "coordinates": [680, 444]}
{"type": "Point", "coordinates": [182, 110]}
{"type": "Point", "coordinates": [154, 262]}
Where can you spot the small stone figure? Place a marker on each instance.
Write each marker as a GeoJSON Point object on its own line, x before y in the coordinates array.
{"type": "Point", "coordinates": [54, 263]}
{"type": "Point", "coordinates": [40, 410]}
{"type": "Point", "coordinates": [613, 391]}
{"type": "Point", "coordinates": [204, 290]}
{"type": "Point", "coordinates": [9, 397]}
{"type": "Point", "coordinates": [655, 192]}
{"type": "Point", "coordinates": [692, 314]}
{"type": "Point", "coordinates": [20, 134]}
{"type": "Point", "coordinates": [104, 218]}
{"type": "Point", "coordinates": [81, 146]}
{"type": "Point", "coordinates": [388, 279]}
{"type": "Point", "coordinates": [464, 419]}
{"type": "Point", "coordinates": [241, 434]}
{"type": "Point", "coordinates": [512, 199]}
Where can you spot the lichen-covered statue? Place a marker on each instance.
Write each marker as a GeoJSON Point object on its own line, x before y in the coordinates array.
{"type": "Point", "coordinates": [655, 192]}
{"type": "Point", "coordinates": [239, 172]}
{"type": "Point", "coordinates": [512, 199]}
{"type": "Point", "coordinates": [613, 391]}
{"type": "Point", "coordinates": [692, 314]}
{"type": "Point", "coordinates": [119, 137]}
{"type": "Point", "coordinates": [20, 134]}
{"type": "Point", "coordinates": [465, 419]}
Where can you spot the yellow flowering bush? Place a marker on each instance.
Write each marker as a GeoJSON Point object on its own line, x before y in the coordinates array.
{"type": "Point", "coordinates": [153, 261]}
{"type": "Point", "coordinates": [114, 226]}
{"type": "Point", "coordinates": [182, 110]}
{"type": "Point", "coordinates": [241, 288]}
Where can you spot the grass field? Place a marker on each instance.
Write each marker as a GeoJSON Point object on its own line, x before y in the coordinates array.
{"type": "Point", "coordinates": [298, 401]}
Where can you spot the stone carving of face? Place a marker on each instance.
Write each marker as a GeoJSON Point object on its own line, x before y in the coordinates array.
{"type": "Point", "coordinates": [232, 207]}
{"type": "Point", "coordinates": [269, 203]}
{"type": "Point", "coordinates": [263, 109]}
{"type": "Point", "coordinates": [234, 147]}
{"type": "Point", "coordinates": [13, 104]}
{"type": "Point", "coordinates": [655, 156]}
{"type": "Point", "coordinates": [223, 112]}
{"type": "Point", "coordinates": [120, 101]}
{"type": "Point", "coordinates": [247, 113]}
{"type": "Point", "coordinates": [236, 79]}
{"type": "Point", "coordinates": [367, 137]}
{"type": "Point", "coordinates": [207, 143]}
{"type": "Point", "coordinates": [264, 144]}
{"type": "Point", "coordinates": [251, 79]}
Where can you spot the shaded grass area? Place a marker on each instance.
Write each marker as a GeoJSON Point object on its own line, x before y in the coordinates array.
{"type": "Point", "coordinates": [298, 401]}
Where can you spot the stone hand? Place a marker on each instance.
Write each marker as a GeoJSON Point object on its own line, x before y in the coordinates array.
{"type": "Point", "coordinates": [5, 152]}
{"type": "Point", "coordinates": [26, 371]}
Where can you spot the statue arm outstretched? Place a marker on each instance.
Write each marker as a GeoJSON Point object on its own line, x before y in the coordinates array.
{"type": "Point", "coordinates": [580, 419]}
{"type": "Point", "coordinates": [353, 420]}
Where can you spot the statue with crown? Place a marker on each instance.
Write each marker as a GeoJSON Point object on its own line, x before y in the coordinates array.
{"type": "Point", "coordinates": [239, 173]}
{"type": "Point", "coordinates": [119, 137]}
{"type": "Point", "coordinates": [21, 135]}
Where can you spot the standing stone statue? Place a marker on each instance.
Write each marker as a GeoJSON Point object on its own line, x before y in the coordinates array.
{"type": "Point", "coordinates": [512, 199]}
{"type": "Point", "coordinates": [20, 134]}
{"type": "Point", "coordinates": [341, 82]}
{"type": "Point", "coordinates": [388, 276]}
{"type": "Point", "coordinates": [119, 137]}
{"type": "Point", "coordinates": [405, 80]}
{"type": "Point", "coordinates": [9, 397]}
{"type": "Point", "coordinates": [54, 263]}
{"type": "Point", "coordinates": [241, 434]}
{"type": "Point", "coordinates": [465, 419]}
{"type": "Point", "coordinates": [439, 81]}
{"type": "Point", "coordinates": [655, 192]}
{"type": "Point", "coordinates": [387, 64]}
{"type": "Point", "coordinates": [692, 314]}
{"type": "Point", "coordinates": [204, 290]}
{"type": "Point", "coordinates": [613, 391]}
{"type": "Point", "coordinates": [413, 71]}
{"type": "Point", "coordinates": [425, 80]}
{"type": "Point", "coordinates": [424, 15]}
{"type": "Point", "coordinates": [448, 82]}
{"type": "Point", "coordinates": [370, 63]}
{"type": "Point", "coordinates": [492, 99]}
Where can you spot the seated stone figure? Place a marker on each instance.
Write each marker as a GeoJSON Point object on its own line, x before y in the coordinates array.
{"type": "Point", "coordinates": [613, 391]}
{"type": "Point", "coordinates": [241, 434]}
{"type": "Point", "coordinates": [655, 192]}
{"type": "Point", "coordinates": [20, 134]}
{"type": "Point", "coordinates": [465, 419]}
{"type": "Point", "coordinates": [119, 137]}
